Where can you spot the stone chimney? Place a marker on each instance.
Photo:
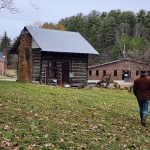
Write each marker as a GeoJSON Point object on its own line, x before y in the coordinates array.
{"type": "Point", "coordinates": [25, 59]}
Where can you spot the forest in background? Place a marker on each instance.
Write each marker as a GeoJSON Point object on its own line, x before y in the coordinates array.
{"type": "Point", "coordinates": [110, 33]}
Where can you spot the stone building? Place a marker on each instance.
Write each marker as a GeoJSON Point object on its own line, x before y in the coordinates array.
{"type": "Point", "coordinates": [124, 69]}
{"type": "Point", "coordinates": [52, 57]}
{"type": "Point", "coordinates": [3, 62]}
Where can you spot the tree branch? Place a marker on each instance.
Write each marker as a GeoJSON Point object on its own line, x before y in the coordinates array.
{"type": "Point", "coordinates": [10, 6]}
{"type": "Point", "coordinates": [33, 5]}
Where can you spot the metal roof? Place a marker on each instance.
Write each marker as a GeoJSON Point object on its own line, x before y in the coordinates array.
{"type": "Point", "coordinates": [60, 41]}
{"type": "Point", "coordinates": [115, 61]}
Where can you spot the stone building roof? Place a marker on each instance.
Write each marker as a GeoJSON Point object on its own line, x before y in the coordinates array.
{"type": "Point", "coordinates": [115, 61]}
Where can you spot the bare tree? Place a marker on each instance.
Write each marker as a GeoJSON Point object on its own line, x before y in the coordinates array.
{"type": "Point", "coordinates": [8, 5]}
{"type": "Point", "coordinates": [34, 5]}
{"type": "Point", "coordinates": [37, 24]}
{"type": "Point", "coordinates": [123, 28]}
{"type": "Point", "coordinates": [140, 30]}
{"type": "Point", "coordinates": [142, 57]}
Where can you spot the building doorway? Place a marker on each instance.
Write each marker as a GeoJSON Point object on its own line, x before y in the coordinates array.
{"type": "Point", "coordinates": [125, 74]}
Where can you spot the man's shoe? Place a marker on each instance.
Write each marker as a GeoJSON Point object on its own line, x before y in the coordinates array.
{"type": "Point", "coordinates": [144, 119]}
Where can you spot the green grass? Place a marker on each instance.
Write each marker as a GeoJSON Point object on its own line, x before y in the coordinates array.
{"type": "Point", "coordinates": [10, 73]}
{"type": "Point", "coordinates": [1, 76]}
{"type": "Point", "coordinates": [46, 117]}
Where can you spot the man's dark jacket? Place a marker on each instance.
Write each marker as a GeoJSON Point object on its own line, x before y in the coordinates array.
{"type": "Point", "coordinates": [141, 88]}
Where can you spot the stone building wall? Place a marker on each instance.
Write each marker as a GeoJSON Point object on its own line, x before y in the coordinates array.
{"type": "Point", "coordinates": [25, 59]}
{"type": "Point", "coordinates": [5, 61]}
{"type": "Point", "coordinates": [1, 67]}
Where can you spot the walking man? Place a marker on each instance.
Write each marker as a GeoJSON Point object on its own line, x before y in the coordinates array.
{"type": "Point", "coordinates": [141, 90]}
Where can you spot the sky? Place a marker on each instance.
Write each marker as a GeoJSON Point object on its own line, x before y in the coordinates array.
{"type": "Point", "coordinates": [55, 10]}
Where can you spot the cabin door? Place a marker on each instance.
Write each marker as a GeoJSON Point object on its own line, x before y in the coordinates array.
{"type": "Point", "coordinates": [65, 72]}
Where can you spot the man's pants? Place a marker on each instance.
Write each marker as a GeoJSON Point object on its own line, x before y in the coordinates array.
{"type": "Point", "coordinates": [143, 105]}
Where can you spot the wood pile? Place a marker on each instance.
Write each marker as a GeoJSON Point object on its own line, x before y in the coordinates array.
{"type": "Point", "coordinates": [115, 85]}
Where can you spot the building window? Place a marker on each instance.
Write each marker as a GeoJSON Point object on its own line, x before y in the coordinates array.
{"type": "Point", "coordinates": [104, 72]}
{"type": "Point", "coordinates": [52, 72]}
{"type": "Point", "coordinates": [90, 72]}
{"type": "Point", "coordinates": [148, 73]}
{"type": "Point", "coordinates": [115, 72]}
{"type": "Point", "coordinates": [97, 72]}
{"type": "Point", "coordinates": [137, 73]}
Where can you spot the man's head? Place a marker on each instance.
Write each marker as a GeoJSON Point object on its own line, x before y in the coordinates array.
{"type": "Point", "coordinates": [143, 73]}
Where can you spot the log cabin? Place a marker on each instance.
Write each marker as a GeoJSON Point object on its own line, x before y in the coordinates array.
{"type": "Point", "coordinates": [52, 57]}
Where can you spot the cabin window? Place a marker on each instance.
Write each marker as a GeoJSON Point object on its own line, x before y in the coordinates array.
{"type": "Point", "coordinates": [52, 72]}
{"type": "Point", "coordinates": [52, 64]}
{"type": "Point", "coordinates": [97, 72]}
{"type": "Point", "coordinates": [115, 72]}
{"type": "Point", "coordinates": [148, 73]}
{"type": "Point", "coordinates": [104, 72]}
{"type": "Point", "coordinates": [90, 72]}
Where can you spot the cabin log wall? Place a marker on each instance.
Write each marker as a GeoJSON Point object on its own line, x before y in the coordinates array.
{"type": "Point", "coordinates": [36, 68]}
{"type": "Point", "coordinates": [78, 65]}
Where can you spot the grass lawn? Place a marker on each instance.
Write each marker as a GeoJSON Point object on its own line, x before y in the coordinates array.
{"type": "Point", "coordinates": [46, 117]}
{"type": "Point", "coordinates": [4, 77]}
{"type": "Point", "coordinates": [10, 73]}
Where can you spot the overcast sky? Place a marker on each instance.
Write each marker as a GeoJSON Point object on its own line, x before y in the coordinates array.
{"type": "Point", "coordinates": [54, 10]}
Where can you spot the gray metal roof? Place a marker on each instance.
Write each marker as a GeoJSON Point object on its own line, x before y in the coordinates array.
{"type": "Point", "coordinates": [115, 61]}
{"type": "Point", "coordinates": [1, 56]}
{"type": "Point", "coordinates": [60, 41]}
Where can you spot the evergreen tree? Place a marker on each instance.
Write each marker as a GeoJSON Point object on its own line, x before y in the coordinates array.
{"type": "Point", "coordinates": [5, 45]}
